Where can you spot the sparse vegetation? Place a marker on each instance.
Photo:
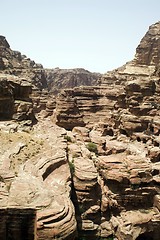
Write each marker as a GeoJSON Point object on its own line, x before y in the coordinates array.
{"type": "Point", "coordinates": [110, 238]}
{"type": "Point", "coordinates": [92, 147]}
{"type": "Point", "coordinates": [72, 167]}
{"type": "Point", "coordinates": [68, 138]}
{"type": "Point", "coordinates": [81, 208]}
{"type": "Point", "coordinates": [75, 155]}
{"type": "Point", "coordinates": [135, 186]}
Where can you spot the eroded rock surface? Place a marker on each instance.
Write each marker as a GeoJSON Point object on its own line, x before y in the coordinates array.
{"type": "Point", "coordinates": [59, 79]}
{"type": "Point", "coordinates": [116, 180]}
{"type": "Point", "coordinates": [13, 62]}
{"type": "Point", "coordinates": [97, 174]}
{"type": "Point", "coordinates": [126, 98]}
{"type": "Point", "coordinates": [117, 186]}
{"type": "Point", "coordinates": [35, 174]}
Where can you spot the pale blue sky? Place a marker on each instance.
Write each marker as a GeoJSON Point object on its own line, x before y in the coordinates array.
{"type": "Point", "coordinates": [98, 35]}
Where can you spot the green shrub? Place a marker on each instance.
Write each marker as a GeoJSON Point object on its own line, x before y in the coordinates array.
{"type": "Point", "coordinates": [72, 167]}
{"type": "Point", "coordinates": [81, 208]}
{"type": "Point", "coordinates": [68, 138]}
{"type": "Point", "coordinates": [110, 238]}
{"type": "Point", "coordinates": [92, 147]}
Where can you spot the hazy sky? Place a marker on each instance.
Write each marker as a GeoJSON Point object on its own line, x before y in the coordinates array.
{"type": "Point", "coordinates": [98, 35]}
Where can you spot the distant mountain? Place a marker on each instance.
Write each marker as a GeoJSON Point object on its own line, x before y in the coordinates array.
{"type": "Point", "coordinates": [59, 79]}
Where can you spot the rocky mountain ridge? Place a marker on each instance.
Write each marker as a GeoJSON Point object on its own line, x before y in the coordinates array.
{"type": "Point", "coordinates": [59, 79]}
{"type": "Point", "coordinates": [94, 176]}
{"type": "Point", "coordinates": [44, 82]}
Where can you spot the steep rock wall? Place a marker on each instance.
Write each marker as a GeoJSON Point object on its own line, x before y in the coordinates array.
{"type": "Point", "coordinates": [59, 79]}
{"type": "Point", "coordinates": [111, 147]}
{"type": "Point", "coordinates": [116, 183]}
{"type": "Point", "coordinates": [34, 174]}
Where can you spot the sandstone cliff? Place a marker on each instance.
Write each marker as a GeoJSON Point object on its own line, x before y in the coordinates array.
{"type": "Point", "coordinates": [59, 79]}
{"type": "Point", "coordinates": [46, 83]}
{"type": "Point", "coordinates": [35, 177]}
{"type": "Point", "coordinates": [14, 63]}
{"type": "Point", "coordinates": [94, 176]}
{"type": "Point", "coordinates": [117, 187]}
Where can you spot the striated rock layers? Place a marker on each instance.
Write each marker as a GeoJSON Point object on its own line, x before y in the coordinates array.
{"type": "Point", "coordinates": [97, 174]}
{"type": "Point", "coordinates": [14, 63]}
{"type": "Point", "coordinates": [130, 92]}
{"type": "Point", "coordinates": [35, 183]}
{"type": "Point", "coordinates": [46, 83]}
{"type": "Point", "coordinates": [35, 180]}
{"type": "Point", "coordinates": [15, 101]}
{"type": "Point", "coordinates": [17, 68]}
{"type": "Point", "coordinates": [115, 147]}
{"type": "Point", "coordinates": [59, 79]}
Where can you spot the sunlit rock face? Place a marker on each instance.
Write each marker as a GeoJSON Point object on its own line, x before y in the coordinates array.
{"type": "Point", "coordinates": [13, 62]}
{"type": "Point", "coordinates": [45, 82]}
{"type": "Point", "coordinates": [19, 66]}
{"type": "Point", "coordinates": [147, 52]}
{"type": "Point", "coordinates": [126, 98]}
{"type": "Point", "coordinates": [59, 79]}
{"type": "Point", "coordinates": [35, 174]}
{"type": "Point", "coordinates": [118, 195]}
{"type": "Point", "coordinates": [95, 174]}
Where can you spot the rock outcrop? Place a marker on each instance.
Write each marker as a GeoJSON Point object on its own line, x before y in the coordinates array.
{"type": "Point", "coordinates": [14, 63]}
{"type": "Point", "coordinates": [97, 174]}
{"type": "Point", "coordinates": [59, 79]}
{"type": "Point", "coordinates": [17, 223]}
{"type": "Point", "coordinates": [46, 83]}
{"type": "Point", "coordinates": [15, 101]}
{"type": "Point", "coordinates": [34, 174]}
{"type": "Point", "coordinates": [34, 192]}
{"type": "Point", "coordinates": [147, 52]}
{"type": "Point", "coordinates": [126, 98]}
{"type": "Point", "coordinates": [121, 117]}
{"type": "Point", "coordinates": [112, 182]}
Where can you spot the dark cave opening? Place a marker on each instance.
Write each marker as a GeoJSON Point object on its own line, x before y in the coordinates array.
{"type": "Point", "coordinates": [124, 132]}
{"type": "Point", "coordinates": [6, 109]}
{"type": "Point", "coordinates": [17, 224]}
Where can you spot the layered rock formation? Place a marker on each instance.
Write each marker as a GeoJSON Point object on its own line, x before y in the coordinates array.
{"type": "Point", "coordinates": [97, 174]}
{"type": "Point", "coordinates": [45, 82]}
{"type": "Point", "coordinates": [15, 101]}
{"type": "Point", "coordinates": [134, 88]}
{"type": "Point", "coordinates": [59, 79]}
{"type": "Point", "coordinates": [18, 68]}
{"type": "Point", "coordinates": [120, 116]}
{"type": "Point", "coordinates": [112, 184]}
{"type": "Point", "coordinates": [34, 174]}
{"type": "Point", "coordinates": [14, 63]}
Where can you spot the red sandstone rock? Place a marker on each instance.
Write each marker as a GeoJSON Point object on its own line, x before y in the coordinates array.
{"type": "Point", "coordinates": [115, 189]}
